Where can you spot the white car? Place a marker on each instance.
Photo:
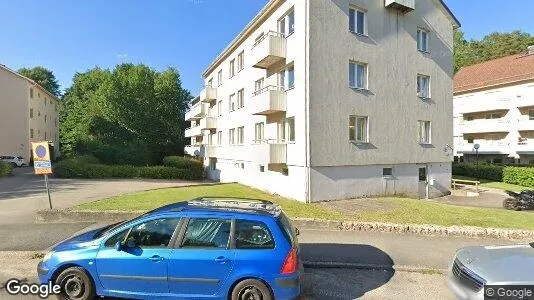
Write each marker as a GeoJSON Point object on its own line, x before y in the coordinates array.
{"type": "Point", "coordinates": [15, 161]}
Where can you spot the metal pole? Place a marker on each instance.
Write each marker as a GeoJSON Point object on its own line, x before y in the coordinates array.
{"type": "Point", "coordinates": [477, 164]}
{"type": "Point", "coordinates": [48, 191]}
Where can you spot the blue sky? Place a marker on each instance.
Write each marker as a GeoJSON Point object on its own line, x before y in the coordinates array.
{"type": "Point", "coordinates": [72, 36]}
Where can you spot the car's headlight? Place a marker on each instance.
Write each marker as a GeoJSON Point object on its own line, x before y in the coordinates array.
{"type": "Point", "coordinates": [48, 255]}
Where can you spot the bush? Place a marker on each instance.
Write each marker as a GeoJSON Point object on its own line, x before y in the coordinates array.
{"type": "Point", "coordinates": [484, 171]}
{"type": "Point", "coordinates": [5, 169]}
{"type": "Point", "coordinates": [88, 167]}
{"type": "Point", "coordinates": [519, 175]}
{"type": "Point", "coordinates": [129, 154]}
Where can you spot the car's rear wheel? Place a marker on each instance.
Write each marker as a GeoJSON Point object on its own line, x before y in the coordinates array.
{"type": "Point", "coordinates": [75, 285]}
{"type": "Point", "coordinates": [14, 165]}
{"type": "Point", "coordinates": [251, 289]}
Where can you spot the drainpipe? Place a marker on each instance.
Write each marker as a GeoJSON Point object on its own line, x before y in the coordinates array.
{"type": "Point", "coordinates": [306, 100]}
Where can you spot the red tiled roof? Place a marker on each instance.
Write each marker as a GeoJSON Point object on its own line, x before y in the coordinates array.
{"type": "Point", "coordinates": [508, 69]}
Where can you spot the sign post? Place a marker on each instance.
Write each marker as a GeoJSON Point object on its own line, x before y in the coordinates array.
{"type": "Point", "coordinates": [42, 164]}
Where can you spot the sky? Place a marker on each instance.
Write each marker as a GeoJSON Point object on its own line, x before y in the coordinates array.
{"type": "Point", "coordinates": [68, 36]}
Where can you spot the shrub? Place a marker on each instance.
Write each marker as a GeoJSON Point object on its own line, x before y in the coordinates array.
{"type": "Point", "coordinates": [519, 175]}
{"type": "Point", "coordinates": [484, 171]}
{"type": "Point", "coordinates": [181, 162]}
{"type": "Point", "coordinates": [5, 169]}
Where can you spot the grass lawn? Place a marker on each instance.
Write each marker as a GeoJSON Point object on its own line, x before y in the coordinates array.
{"type": "Point", "coordinates": [494, 184]}
{"type": "Point", "coordinates": [400, 210]}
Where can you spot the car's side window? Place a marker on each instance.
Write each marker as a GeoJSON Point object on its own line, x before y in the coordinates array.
{"type": "Point", "coordinates": [253, 235]}
{"type": "Point", "coordinates": [207, 233]}
{"type": "Point", "coordinates": [154, 233]}
{"type": "Point", "coordinates": [118, 237]}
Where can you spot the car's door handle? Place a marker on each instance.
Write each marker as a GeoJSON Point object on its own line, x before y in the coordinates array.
{"type": "Point", "coordinates": [221, 259]}
{"type": "Point", "coordinates": [156, 258]}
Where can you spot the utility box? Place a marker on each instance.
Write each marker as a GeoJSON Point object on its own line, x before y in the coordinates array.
{"type": "Point", "coordinates": [404, 6]}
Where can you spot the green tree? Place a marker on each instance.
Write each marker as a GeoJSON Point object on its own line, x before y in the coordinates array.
{"type": "Point", "coordinates": [43, 77]}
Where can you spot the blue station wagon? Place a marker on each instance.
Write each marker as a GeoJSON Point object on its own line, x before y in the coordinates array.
{"type": "Point", "coordinates": [204, 248]}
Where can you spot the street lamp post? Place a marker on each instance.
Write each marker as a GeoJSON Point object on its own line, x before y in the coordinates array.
{"type": "Point", "coordinates": [476, 146]}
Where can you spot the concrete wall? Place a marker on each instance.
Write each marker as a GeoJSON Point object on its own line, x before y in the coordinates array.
{"type": "Point", "coordinates": [14, 113]}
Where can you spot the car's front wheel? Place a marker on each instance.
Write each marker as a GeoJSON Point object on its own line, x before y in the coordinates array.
{"type": "Point", "coordinates": [251, 289]}
{"type": "Point", "coordinates": [75, 285]}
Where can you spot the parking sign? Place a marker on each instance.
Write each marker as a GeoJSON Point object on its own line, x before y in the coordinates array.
{"type": "Point", "coordinates": [41, 158]}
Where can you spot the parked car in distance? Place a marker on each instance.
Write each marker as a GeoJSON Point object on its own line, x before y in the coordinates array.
{"type": "Point", "coordinates": [477, 266]}
{"type": "Point", "coordinates": [208, 248]}
{"type": "Point", "coordinates": [15, 161]}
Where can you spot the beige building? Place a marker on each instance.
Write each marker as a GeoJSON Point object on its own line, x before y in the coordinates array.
{"type": "Point", "coordinates": [332, 99]}
{"type": "Point", "coordinates": [28, 113]}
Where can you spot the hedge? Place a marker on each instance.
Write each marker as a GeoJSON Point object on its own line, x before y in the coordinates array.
{"type": "Point", "coordinates": [484, 171]}
{"type": "Point", "coordinates": [86, 167]}
{"type": "Point", "coordinates": [5, 169]}
{"type": "Point", "coordinates": [519, 175]}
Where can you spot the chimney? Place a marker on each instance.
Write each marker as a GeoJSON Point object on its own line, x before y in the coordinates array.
{"type": "Point", "coordinates": [530, 50]}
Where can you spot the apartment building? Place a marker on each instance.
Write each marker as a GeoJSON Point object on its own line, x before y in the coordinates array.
{"type": "Point", "coordinates": [28, 113]}
{"type": "Point", "coordinates": [494, 108]}
{"type": "Point", "coordinates": [332, 99]}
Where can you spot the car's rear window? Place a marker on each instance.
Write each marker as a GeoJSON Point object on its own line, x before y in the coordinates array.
{"type": "Point", "coordinates": [287, 229]}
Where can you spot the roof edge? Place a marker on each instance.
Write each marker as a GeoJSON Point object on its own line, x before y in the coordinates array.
{"type": "Point", "coordinates": [29, 80]}
{"type": "Point", "coordinates": [456, 22]}
{"type": "Point", "coordinates": [266, 10]}
{"type": "Point", "coordinates": [492, 86]}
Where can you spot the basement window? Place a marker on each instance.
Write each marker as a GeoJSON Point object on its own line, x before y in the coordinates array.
{"type": "Point", "coordinates": [387, 172]}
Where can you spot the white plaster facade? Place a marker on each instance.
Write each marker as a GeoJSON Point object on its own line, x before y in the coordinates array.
{"type": "Point", "coordinates": [315, 159]}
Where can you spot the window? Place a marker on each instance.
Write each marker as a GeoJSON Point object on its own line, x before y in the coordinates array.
{"type": "Point", "coordinates": [291, 22]}
{"type": "Point", "coordinates": [242, 165]}
{"type": "Point", "coordinates": [252, 235]}
{"type": "Point", "coordinates": [45, 118]}
{"type": "Point", "coordinates": [422, 40]}
{"type": "Point", "coordinates": [286, 130]}
{"type": "Point", "coordinates": [219, 138]}
{"type": "Point", "coordinates": [531, 114]}
{"type": "Point", "coordinates": [231, 104]}
{"type": "Point", "coordinates": [387, 172]}
{"type": "Point", "coordinates": [495, 115]}
{"type": "Point", "coordinates": [285, 171]}
{"type": "Point", "coordinates": [207, 233]}
{"type": "Point", "coordinates": [258, 132]}
{"type": "Point", "coordinates": [38, 95]}
{"type": "Point", "coordinates": [38, 113]}
{"type": "Point", "coordinates": [240, 135]}
{"type": "Point", "coordinates": [282, 79]}
{"type": "Point", "coordinates": [470, 139]}
{"type": "Point", "coordinates": [422, 174]}
{"type": "Point", "coordinates": [219, 78]}
{"type": "Point", "coordinates": [213, 163]}
{"type": "Point", "coordinates": [45, 101]}
{"type": "Point", "coordinates": [31, 93]}
{"type": "Point", "coordinates": [424, 132]}
{"type": "Point", "coordinates": [358, 129]}
{"type": "Point", "coordinates": [262, 168]}
{"type": "Point", "coordinates": [286, 25]}
{"type": "Point", "coordinates": [118, 237]}
{"type": "Point", "coordinates": [154, 233]}
{"type": "Point", "coordinates": [232, 68]}
{"type": "Point", "coordinates": [219, 108]}
{"type": "Point", "coordinates": [31, 112]}
{"type": "Point", "coordinates": [423, 86]}
{"type": "Point", "coordinates": [240, 100]}
{"type": "Point", "coordinates": [231, 136]}
{"type": "Point", "coordinates": [290, 77]}
{"type": "Point", "coordinates": [258, 86]}
{"type": "Point", "coordinates": [210, 82]}
{"type": "Point", "coordinates": [357, 21]}
{"type": "Point", "coordinates": [358, 75]}
{"type": "Point", "coordinates": [210, 138]}
{"type": "Point", "coordinates": [45, 135]}
{"type": "Point", "coordinates": [31, 133]}
{"type": "Point", "coordinates": [240, 61]}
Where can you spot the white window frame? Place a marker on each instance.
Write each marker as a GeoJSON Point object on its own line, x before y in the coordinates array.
{"type": "Point", "coordinates": [240, 98]}
{"type": "Point", "coordinates": [423, 92]}
{"type": "Point", "coordinates": [354, 121]}
{"type": "Point", "coordinates": [240, 135]}
{"type": "Point", "coordinates": [219, 108]}
{"type": "Point", "coordinates": [423, 46]}
{"type": "Point", "coordinates": [240, 61]}
{"type": "Point", "coordinates": [219, 138]}
{"type": "Point", "coordinates": [354, 81]}
{"type": "Point", "coordinates": [231, 136]}
{"type": "Point", "coordinates": [353, 21]}
{"type": "Point", "coordinates": [286, 130]}
{"type": "Point", "coordinates": [259, 132]}
{"type": "Point", "coordinates": [219, 78]}
{"type": "Point", "coordinates": [286, 24]}
{"type": "Point", "coordinates": [290, 77]}
{"type": "Point", "coordinates": [232, 68]}
{"type": "Point", "coordinates": [258, 85]}
{"type": "Point", "coordinates": [424, 132]}
{"type": "Point", "coordinates": [210, 82]}
{"type": "Point", "coordinates": [231, 104]}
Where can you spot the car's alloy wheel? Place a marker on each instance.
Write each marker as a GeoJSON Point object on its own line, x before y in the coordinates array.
{"type": "Point", "coordinates": [75, 285]}
{"type": "Point", "coordinates": [251, 289]}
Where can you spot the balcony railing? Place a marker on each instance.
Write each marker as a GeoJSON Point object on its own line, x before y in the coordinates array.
{"type": "Point", "coordinates": [485, 125]}
{"type": "Point", "coordinates": [524, 123]}
{"type": "Point", "coordinates": [268, 50]}
{"type": "Point", "coordinates": [268, 100]}
{"type": "Point", "coordinates": [194, 150]}
{"type": "Point", "coordinates": [193, 131]}
{"type": "Point", "coordinates": [208, 122]}
{"type": "Point", "coordinates": [208, 94]}
{"type": "Point", "coordinates": [197, 111]}
{"type": "Point", "coordinates": [270, 151]}
{"type": "Point", "coordinates": [493, 147]}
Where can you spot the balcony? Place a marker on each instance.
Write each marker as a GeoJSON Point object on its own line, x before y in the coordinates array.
{"type": "Point", "coordinates": [270, 99]}
{"type": "Point", "coordinates": [492, 147]}
{"type": "Point", "coordinates": [487, 106]}
{"type": "Point", "coordinates": [484, 125]}
{"type": "Point", "coordinates": [270, 49]}
{"type": "Point", "coordinates": [210, 151]}
{"type": "Point", "coordinates": [193, 131]}
{"type": "Point", "coordinates": [525, 147]}
{"type": "Point", "coordinates": [208, 122]}
{"type": "Point", "coordinates": [194, 150]}
{"type": "Point", "coordinates": [402, 5]}
{"type": "Point", "coordinates": [208, 94]}
{"type": "Point", "coordinates": [270, 153]}
{"type": "Point", "coordinates": [196, 112]}
{"type": "Point", "coordinates": [525, 101]}
{"type": "Point", "coordinates": [525, 124]}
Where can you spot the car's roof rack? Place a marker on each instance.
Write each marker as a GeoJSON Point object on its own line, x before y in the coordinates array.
{"type": "Point", "coordinates": [231, 199]}
{"type": "Point", "coordinates": [232, 203]}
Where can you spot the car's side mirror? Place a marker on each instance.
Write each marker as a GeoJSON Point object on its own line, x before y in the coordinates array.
{"type": "Point", "coordinates": [297, 231]}
{"type": "Point", "coordinates": [118, 246]}
{"type": "Point", "coordinates": [130, 243]}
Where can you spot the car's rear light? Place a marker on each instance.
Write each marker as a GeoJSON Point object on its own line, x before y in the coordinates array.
{"type": "Point", "coordinates": [291, 263]}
